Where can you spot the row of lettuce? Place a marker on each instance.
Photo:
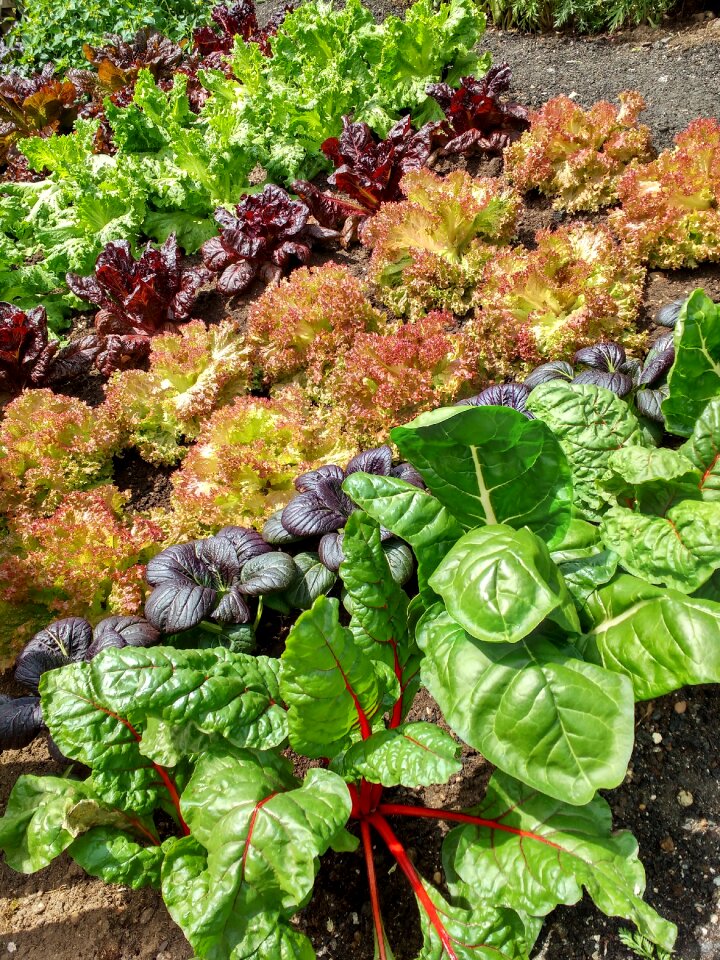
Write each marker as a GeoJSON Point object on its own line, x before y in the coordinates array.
{"type": "Point", "coordinates": [599, 536]}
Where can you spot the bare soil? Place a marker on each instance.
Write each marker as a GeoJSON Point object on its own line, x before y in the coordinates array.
{"type": "Point", "coordinates": [62, 914]}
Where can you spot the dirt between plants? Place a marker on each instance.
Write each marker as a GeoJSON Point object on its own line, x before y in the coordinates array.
{"type": "Point", "coordinates": [670, 798]}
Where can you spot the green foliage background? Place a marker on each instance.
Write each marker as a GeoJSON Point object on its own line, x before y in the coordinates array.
{"type": "Point", "coordinates": [588, 16]}
{"type": "Point", "coordinates": [54, 31]}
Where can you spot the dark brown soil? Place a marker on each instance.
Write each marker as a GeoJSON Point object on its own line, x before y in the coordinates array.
{"type": "Point", "coordinates": [149, 486]}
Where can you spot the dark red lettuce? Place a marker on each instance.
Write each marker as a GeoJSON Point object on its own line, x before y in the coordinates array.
{"type": "Point", "coordinates": [29, 359]}
{"type": "Point", "coordinates": [238, 20]}
{"type": "Point", "coordinates": [477, 120]}
{"type": "Point", "coordinates": [137, 298]}
{"type": "Point", "coordinates": [36, 106]}
{"type": "Point", "coordinates": [268, 233]}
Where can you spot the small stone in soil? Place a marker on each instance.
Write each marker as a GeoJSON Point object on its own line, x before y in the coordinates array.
{"type": "Point", "coordinates": [681, 706]}
{"type": "Point", "coordinates": [668, 845]}
{"type": "Point", "coordinates": [685, 798]}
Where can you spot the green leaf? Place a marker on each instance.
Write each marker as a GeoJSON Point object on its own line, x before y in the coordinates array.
{"type": "Point", "coordinates": [411, 514]}
{"type": "Point", "coordinates": [659, 638]}
{"type": "Point", "coordinates": [411, 755]}
{"type": "Point", "coordinates": [218, 924]}
{"type": "Point", "coordinates": [533, 708]}
{"type": "Point", "coordinates": [376, 602]}
{"type": "Point", "coordinates": [703, 450]}
{"type": "Point", "coordinates": [33, 830]}
{"type": "Point", "coordinates": [556, 851]}
{"type": "Point", "coordinates": [263, 838]}
{"type": "Point", "coordinates": [591, 423]}
{"type": "Point", "coordinates": [681, 549]}
{"type": "Point", "coordinates": [651, 480]}
{"type": "Point", "coordinates": [500, 584]}
{"type": "Point", "coordinates": [694, 379]}
{"type": "Point", "coordinates": [329, 683]}
{"type": "Point", "coordinates": [314, 580]}
{"type": "Point", "coordinates": [482, 933]}
{"type": "Point", "coordinates": [213, 691]}
{"type": "Point", "coordinates": [586, 574]}
{"type": "Point", "coordinates": [491, 465]}
{"type": "Point", "coordinates": [116, 858]}
{"type": "Point", "coordinates": [86, 727]}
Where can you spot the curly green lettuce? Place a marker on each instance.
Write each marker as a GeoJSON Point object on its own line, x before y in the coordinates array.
{"type": "Point", "coordinates": [670, 209]}
{"type": "Point", "coordinates": [428, 251]}
{"type": "Point", "coordinates": [577, 156]}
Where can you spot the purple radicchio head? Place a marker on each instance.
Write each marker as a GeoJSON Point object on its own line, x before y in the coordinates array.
{"type": "Point", "coordinates": [214, 579]}
{"type": "Point", "coordinates": [321, 508]}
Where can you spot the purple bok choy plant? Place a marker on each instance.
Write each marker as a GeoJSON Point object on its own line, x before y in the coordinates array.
{"type": "Point", "coordinates": [65, 641]}
{"type": "Point", "coordinates": [321, 509]}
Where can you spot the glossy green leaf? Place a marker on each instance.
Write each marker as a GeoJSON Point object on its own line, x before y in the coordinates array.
{"type": "Point", "coordinates": [215, 691]}
{"type": "Point", "coordinates": [500, 584]}
{"type": "Point", "coordinates": [313, 581]}
{"type": "Point", "coordinates": [590, 423]}
{"type": "Point", "coordinates": [376, 602]}
{"type": "Point", "coordinates": [262, 835]}
{"type": "Point", "coordinates": [651, 480]}
{"type": "Point", "coordinates": [115, 857]}
{"type": "Point", "coordinates": [659, 638]}
{"type": "Point", "coordinates": [411, 514]}
{"type": "Point", "coordinates": [534, 708]}
{"type": "Point", "coordinates": [703, 449]}
{"type": "Point", "coordinates": [586, 574]}
{"type": "Point", "coordinates": [329, 683]}
{"type": "Point", "coordinates": [33, 829]}
{"type": "Point", "coordinates": [88, 727]}
{"type": "Point", "coordinates": [680, 549]}
{"type": "Point", "coordinates": [491, 465]}
{"type": "Point", "coordinates": [411, 755]}
{"type": "Point", "coordinates": [694, 379]}
{"type": "Point", "coordinates": [482, 933]}
{"type": "Point", "coordinates": [557, 851]}
{"type": "Point", "coordinates": [218, 922]}
{"type": "Point", "coordinates": [582, 539]}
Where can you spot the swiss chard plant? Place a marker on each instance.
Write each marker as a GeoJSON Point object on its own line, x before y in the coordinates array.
{"type": "Point", "coordinates": [189, 790]}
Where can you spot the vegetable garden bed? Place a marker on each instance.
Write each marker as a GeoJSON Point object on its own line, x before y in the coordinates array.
{"type": "Point", "coordinates": [669, 797]}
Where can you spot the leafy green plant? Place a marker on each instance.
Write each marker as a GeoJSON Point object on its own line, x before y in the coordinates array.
{"type": "Point", "coordinates": [577, 156]}
{"type": "Point", "coordinates": [589, 16]}
{"type": "Point", "coordinates": [47, 33]}
{"type": "Point", "coordinates": [246, 836]}
{"type": "Point", "coordinates": [641, 946]}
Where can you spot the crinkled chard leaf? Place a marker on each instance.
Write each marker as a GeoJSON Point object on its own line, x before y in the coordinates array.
{"type": "Point", "coordinates": [329, 683]}
{"type": "Point", "coordinates": [60, 643]}
{"type": "Point", "coordinates": [115, 857]}
{"type": "Point", "coordinates": [21, 720]}
{"type": "Point", "coordinates": [703, 450]}
{"type": "Point", "coordinates": [500, 584]}
{"type": "Point", "coordinates": [411, 755]}
{"type": "Point", "coordinates": [554, 852]}
{"type": "Point", "coordinates": [591, 424]}
{"type": "Point", "coordinates": [694, 379]}
{"type": "Point", "coordinates": [491, 465]}
{"type": "Point", "coordinates": [518, 705]}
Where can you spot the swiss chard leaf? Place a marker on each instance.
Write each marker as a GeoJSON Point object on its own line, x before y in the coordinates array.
{"type": "Point", "coordinates": [115, 857]}
{"type": "Point", "coordinates": [590, 423]}
{"type": "Point", "coordinates": [703, 450]}
{"type": "Point", "coordinates": [659, 638]}
{"type": "Point", "coordinates": [411, 755]}
{"type": "Point", "coordinates": [500, 584]}
{"type": "Point", "coordinates": [518, 705]}
{"type": "Point", "coordinates": [491, 465]}
{"type": "Point", "coordinates": [332, 688]}
{"type": "Point", "coordinates": [553, 851]}
{"type": "Point", "coordinates": [694, 379]}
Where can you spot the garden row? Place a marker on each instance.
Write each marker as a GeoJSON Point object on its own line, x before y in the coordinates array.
{"type": "Point", "coordinates": [537, 569]}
